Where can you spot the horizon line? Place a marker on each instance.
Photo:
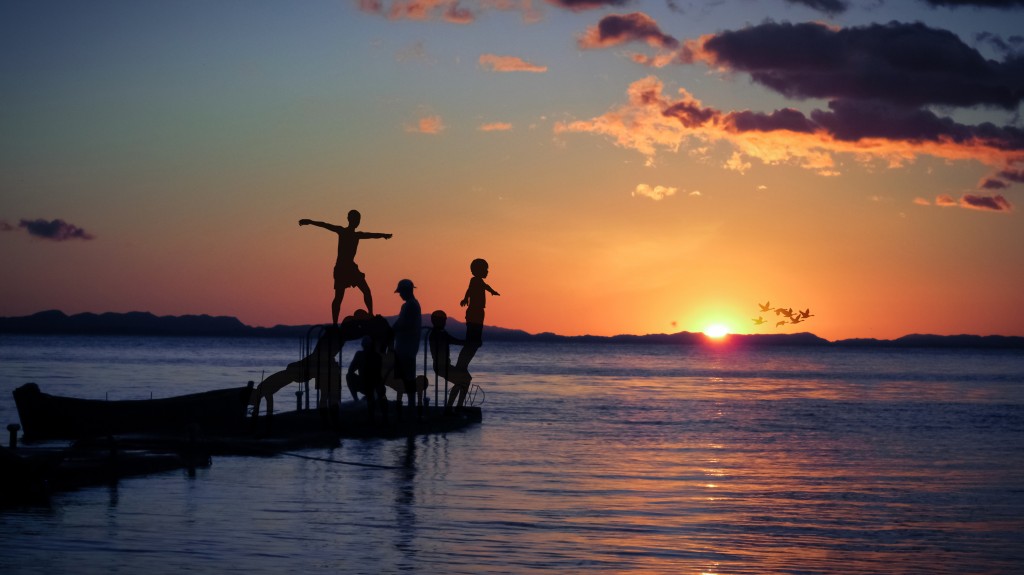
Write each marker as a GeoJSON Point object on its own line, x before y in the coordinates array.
{"type": "Point", "coordinates": [280, 326]}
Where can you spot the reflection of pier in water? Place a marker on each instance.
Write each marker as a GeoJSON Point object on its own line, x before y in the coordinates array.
{"type": "Point", "coordinates": [418, 459]}
{"type": "Point", "coordinates": [405, 500]}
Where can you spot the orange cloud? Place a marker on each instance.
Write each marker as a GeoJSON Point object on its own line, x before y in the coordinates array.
{"type": "Point", "coordinates": [653, 192]}
{"type": "Point", "coordinates": [427, 125]}
{"type": "Point", "coordinates": [496, 127]}
{"type": "Point", "coordinates": [651, 121]}
{"type": "Point", "coordinates": [641, 123]}
{"type": "Point", "coordinates": [496, 63]}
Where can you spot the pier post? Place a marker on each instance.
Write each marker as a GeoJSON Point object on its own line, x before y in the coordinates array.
{"type": "Point", "coordinates": [13, 429]}
{"type": "Point", "coordinates": [298, 400]}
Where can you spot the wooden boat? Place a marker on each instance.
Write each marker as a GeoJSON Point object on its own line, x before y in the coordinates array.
{"type": "Point", "coordinates": [44, 416]}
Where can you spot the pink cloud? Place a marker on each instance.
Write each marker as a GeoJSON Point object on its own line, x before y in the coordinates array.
{"type": "Point", "coordinates": [427, 125]}
{"type": "Point", "coordinates": [496, 127]}
{"type": "Point", "coordinates": [422, 10]}
{"type": "Point", "coordinates": [496, 63]}
{"type": "Point", "coordinates": [582, 5]}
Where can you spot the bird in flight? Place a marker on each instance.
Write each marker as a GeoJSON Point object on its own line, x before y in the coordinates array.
{"type": "Point", "coordinates": [788, 315]}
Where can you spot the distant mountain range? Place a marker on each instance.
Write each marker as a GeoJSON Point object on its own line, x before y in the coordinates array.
{"type": "Point", "coordinates": [143, 323]}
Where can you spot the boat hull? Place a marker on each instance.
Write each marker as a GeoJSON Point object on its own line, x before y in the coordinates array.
{"type": "Point", "coordinates": [44, 416]}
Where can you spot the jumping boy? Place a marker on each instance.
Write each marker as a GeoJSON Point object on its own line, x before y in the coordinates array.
{"type": "Point", "coordinates": [474, 302]}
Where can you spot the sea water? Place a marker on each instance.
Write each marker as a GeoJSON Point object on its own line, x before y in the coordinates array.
{"type": "Point", "coordinates": [590, 458]}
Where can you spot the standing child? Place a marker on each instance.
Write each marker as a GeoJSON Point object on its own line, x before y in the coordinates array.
{"type": "Point", "coordinates": [474, 302]}
{"type": "Point", "coordinates": [407, 342]}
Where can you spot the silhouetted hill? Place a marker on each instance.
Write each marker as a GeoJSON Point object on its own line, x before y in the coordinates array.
{"type": "Point", "coordinates": [144, 323]}
{"type": "Point", "coordinates": [940, 341]}
{"type": "Point", "coordinates": [132, 323]}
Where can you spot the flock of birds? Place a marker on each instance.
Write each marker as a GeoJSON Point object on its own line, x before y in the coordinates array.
{"type": "Point", "coordinates": [791, 316]}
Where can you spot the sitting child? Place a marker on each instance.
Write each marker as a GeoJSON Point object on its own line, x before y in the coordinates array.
{"type": "Point", "coordinates": [366, 376]}
{"type": "Point", "coordinates": [440, 351]}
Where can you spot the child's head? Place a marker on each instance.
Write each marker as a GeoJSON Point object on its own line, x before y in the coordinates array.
{"type": "Point", "coordinates": [438, 319]}
{"type": "Point", "coordinates": [405, 288]}
{"type": "Point", "coordinates": [354, 217]}
{"type": "Point", "coordinates": [479, 267]}
{"type": "Point", "coordinates": [367, 343]}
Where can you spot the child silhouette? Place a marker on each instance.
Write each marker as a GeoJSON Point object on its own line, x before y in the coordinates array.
{"type": "Point", "coordinates": [474, 302]}
{"type": "Point", "coordinates": [346, 272]}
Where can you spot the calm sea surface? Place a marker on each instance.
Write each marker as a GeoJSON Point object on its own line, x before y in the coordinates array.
{"type": "Point", "coordinates": [591, 458]}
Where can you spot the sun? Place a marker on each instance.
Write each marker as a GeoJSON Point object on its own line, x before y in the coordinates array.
{"type": "Point", "coordinates": [716, 331]}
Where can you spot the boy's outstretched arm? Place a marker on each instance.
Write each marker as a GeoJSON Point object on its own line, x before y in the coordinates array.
{"type": "Point", "coordinates": [373, 235]}
{"type": "Point", "coordinates": [324, 225]}
{"type": "Point", "coordinates": [490, 289]}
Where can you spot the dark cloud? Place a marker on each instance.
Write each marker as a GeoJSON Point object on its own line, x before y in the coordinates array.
{"type": "Point", "coordinates": [992, 184]}
{"type": "Point", "coordinates": [830, 7]}
{"type": "Point", "coordinates": [622, 28]}
{"type": "Point", "coordinates": [1013, 175]}
{"type": "Point", "coordinates": [582, 5]}
{"type": "Point", "coordinates": [56, 230]}
{"type": "Point", "coordinates": [785, 119]}
{"type": "Point", "coordinates": [905, 64]}
{"type": "Point", "coordinates": [987, 203]}
{"type": "Point", "coordinates": [6, 227]}
{"type": "Point", "coordinates": [851, 121]}
{"type": "Point", "coordinates": [690, 113]}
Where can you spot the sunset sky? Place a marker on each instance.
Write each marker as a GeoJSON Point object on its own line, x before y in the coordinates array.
{"type": "Point", "coordinates": [624, 166]}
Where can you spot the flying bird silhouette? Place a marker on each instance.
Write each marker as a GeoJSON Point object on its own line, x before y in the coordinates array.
{"type": "Point", "coordinates": [791, 317]}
